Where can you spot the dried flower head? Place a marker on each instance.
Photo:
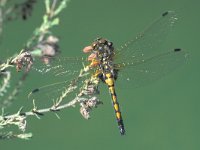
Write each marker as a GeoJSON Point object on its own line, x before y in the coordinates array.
{"type": "Point", "coordinates": [24, 59]}
{"type": "Point", "coordinates": [87, 105]}
{"type": "Point", "coordinates": [46, 49]}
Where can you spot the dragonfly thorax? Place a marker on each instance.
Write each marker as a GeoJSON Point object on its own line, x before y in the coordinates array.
{"type": "Point", "coordinates": [104, 51]}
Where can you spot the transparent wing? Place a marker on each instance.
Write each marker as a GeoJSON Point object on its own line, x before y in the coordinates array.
{"type": "Point", "coordinates": [48, 93]}
{"type": "Point", "coordinates": [56, 78]}
{"type": "Point", "coordinates": [60, 66]}
{"type": "Point", "coordinates": [148, 43]}
{"type": "Point", "coordinates": [150, 69]}
{"type": "Point", "coordinates": [57, 91]}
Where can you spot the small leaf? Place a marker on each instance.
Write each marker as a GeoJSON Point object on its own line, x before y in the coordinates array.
{"type": "Point", "coordinates": [55, 22]}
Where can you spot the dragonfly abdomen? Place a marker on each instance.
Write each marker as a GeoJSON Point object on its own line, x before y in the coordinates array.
{"type": "Point", "coordinates": [110, 82]}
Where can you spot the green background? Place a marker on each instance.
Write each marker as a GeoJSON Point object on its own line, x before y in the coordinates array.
{"type": "Point", "coordinates": [160, 116]}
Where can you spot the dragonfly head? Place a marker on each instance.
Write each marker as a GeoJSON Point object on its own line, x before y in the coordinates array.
{"type": "Point", "coordinates": [102, 47]}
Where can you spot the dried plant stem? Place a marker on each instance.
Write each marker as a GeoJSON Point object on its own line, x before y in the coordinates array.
{"type": "Point", "coordinates": [49, 21]}
{"type": "Point", "coordinates": [8, 101]}
{"type": "Point", "coordinates": [38, 36]}
{"type": "Point", "coordinates": [6, 81]}
{"type": "Point", "coordinates": [42, 38]}
{"type": "Point", "coordinates": [83, 96]}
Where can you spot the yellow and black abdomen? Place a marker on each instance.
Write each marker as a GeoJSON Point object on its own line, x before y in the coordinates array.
{"type": "Point", "coordinates": [109, 80]}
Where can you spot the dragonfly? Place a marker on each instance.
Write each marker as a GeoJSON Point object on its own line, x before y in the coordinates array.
{"type": "Point", "coordinates": [138, 62]}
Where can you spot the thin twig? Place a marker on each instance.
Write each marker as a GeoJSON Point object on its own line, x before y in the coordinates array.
{"type": "Point", "coordinates": [5, 84]}
{"type": "Point", "coordinates": [53, 5]}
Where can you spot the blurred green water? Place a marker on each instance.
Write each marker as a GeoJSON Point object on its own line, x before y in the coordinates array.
{"type": "Point", "coordinates": [161, 116]}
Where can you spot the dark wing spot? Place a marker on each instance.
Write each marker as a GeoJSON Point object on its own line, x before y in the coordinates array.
{"type": "Point", "coordinates": [165, 13]}
{"type": "Point", "coordinates": [177, 50]}
{"type": "Point", "coordinates": [35, 90]}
